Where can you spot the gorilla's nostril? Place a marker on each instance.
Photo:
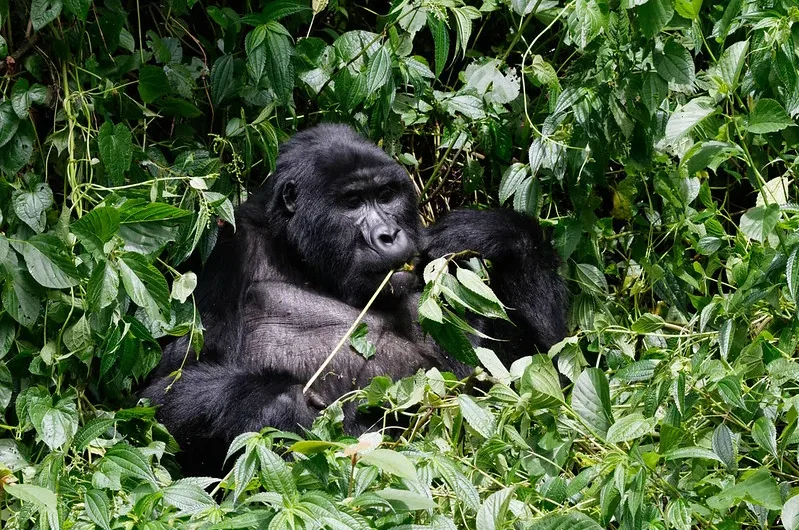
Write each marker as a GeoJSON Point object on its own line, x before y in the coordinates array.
{"type": "Point", "coordinates": [386, 238]}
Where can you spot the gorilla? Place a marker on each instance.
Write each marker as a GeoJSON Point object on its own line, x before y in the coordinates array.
{"type": "Point", "coordinates": [310, 248]}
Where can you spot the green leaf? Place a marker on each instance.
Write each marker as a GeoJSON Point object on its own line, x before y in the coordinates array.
{"type": "Point", "coordinates": [6, 386]}
{"type": "Point", "coordinates": [42, 498]}
{"type": "Point", "coordinates": [31, 206]}
{"type": "Point", "coordinates": [759, 223]}
{"type": "Point", "coordinates": [96, 228]}
{"type": "Point", "coordinates": [512, 180]}
{"type": "Point", "coordinates": [275, 474]}
{"type": "Point", "coordinates": [654, 15]}
{"type": "Point", "coordinates": [768, 116]}
{"type": "Point", "coordinates": [16, 154]}
{"type": "Point", "coordinates": [153, 83]}
{"type": "Point", "coordinates": [691, 452]}
{"type": "Point", "coordinates": [378, 70]}
{"type": "Point", "coordinates": [687, 117]}
{"type": "Point", "coordinates": [439, 30]}
{"type": "Point", "coordinates": [792, 273]}
{"type": "Point", "coordinates": [130, 462]}
{"type": "Point", "coordinates": [116, 150]}
{"type": "Point", "coordinates": [55, 424]}
{"type": "Point", "coordinates": [360, 343]}
{"type": "Point", "coordinates": [279, 68]}
{"type": "Point", "coordinates": [21, 298]}
{"type": "Point", "coordinates": [188, 497]}
{"type": "Point", "coordinates": [572, 520]}
{"type": "Point", "coordinates": [98, 508]}
{"type": "Point", "coordinates": [725, 447]}
{"type": "Point", "coordinates": [591, 400]}
{"type": "Point", "coordinates": [592, 279]}
{"type": "Point", "coordinates": [23, 96]}
{"type": "Point", "coordinates": [477, 417]}
{"type": "Point", "coordinates": [493, 512]}
{"type": "Point", "coordinates": [764, 434]}
{"type": "Point", "coordinates": [9, 121]}
{"type": "Point", "coordinates": [222, 85]}
{"type": "Point", "coordinates": [136, 211]}
{"type": "Point", "coordinates": [675, 63]}
{"type": "Point", "coordinates": [44, 11]}
{"type": "Point", "coordinates": [731, 63]}
{"type": "Point", "coordinates": [93, 429]}
{"type": "Point", "coordinates": [487, 302]}
{"type": "Point", "coordinates": [405, 501]}
{"type": "Point", "coordinates": [541, 380]}
{"type": "Point", "coordinates": [103, 286]}
{"type": "Point", "coordinates": [647, 323]}
{"type": "Point", "coordinates": [790, 513]}
{"type": "Point", "coordinates": [460, 484]}
{"type": "Point", "coordinates": [79, 8]}
{"type": "Point", "coordinates": [390, 462]}
{"type": "Point", "coordinates": [759, 488]}
{"type": "Point", "coordinates": [49, 261]}
{"type": "Point", "coordinates": [688, 8]}
{"type": "Point", "coordinates": [725, 338]}
{"type": "Point", "coordinates": [253, 519]}
{"type": "Point", "coordinates": [144, 284]}
{"type": "Point", "coordinates": [630, 428]}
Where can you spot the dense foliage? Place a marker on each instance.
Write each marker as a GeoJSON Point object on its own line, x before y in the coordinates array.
{"type": "Point", "coordinates": [655, 137]}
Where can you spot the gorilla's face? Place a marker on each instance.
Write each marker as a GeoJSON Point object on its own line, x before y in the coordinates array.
{"type": "Point", "coordinates": [353, 222]}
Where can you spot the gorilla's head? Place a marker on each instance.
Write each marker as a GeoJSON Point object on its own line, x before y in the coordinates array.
{"type": "Point", "coordinates": [345, 209]}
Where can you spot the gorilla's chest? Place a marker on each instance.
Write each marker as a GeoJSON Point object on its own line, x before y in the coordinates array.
{"type": "Point", "coordinates": [284, 321]}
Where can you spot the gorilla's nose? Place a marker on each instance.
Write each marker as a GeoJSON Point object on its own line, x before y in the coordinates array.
{"type": "Point", "coordinates": [390, 241]}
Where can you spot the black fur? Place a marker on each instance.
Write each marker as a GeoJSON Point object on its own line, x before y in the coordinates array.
{"type": "Point", "coordinates": [310, 249]}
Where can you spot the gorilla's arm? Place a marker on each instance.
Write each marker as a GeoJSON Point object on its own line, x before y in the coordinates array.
{"type": "Point", "coordinates": [221, 401]}
{"type": "Point", "coordinates": [524, 267]}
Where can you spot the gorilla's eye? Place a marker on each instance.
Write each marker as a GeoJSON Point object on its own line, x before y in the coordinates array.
{"type": "Point", "coordinates": [352, 200]}
{"type": "Point", "coordinates": [387, 194]}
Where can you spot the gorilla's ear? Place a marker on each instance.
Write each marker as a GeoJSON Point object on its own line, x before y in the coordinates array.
{"type": "Point", "coordinates": [290, 196]}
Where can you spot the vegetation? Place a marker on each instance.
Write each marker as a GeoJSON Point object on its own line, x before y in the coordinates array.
{"type": "Point", "coordinates": [655, 137]}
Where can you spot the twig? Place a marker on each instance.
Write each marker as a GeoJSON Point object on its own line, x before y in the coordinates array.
{"type": "Point", "coordinates": [17, 55]}
{"type": "Point", "coordinates": [349, 332]}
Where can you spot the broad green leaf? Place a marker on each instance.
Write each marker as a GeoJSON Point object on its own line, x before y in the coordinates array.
{"type": "Point", "coordinates": [135, 211]}
{"type": "Point", "coordinates": [675, 63]}
{"type": "Point", "coordinates": [253, 519]}
{"type": "Point", "coordinates": [30, 206]}
{"type": "Point", "coordinates": [709, 154]}
{"type": "Point", "coordinates": [792, 273]}
{"type": "Point", "coordinates": [23, 96]}
{"type": "Point", "coordinates": [491, 362]}
{"type": "Point", "coordinates": [16, 154]}
{"type": "Point", "coordinates": [725, 447]}
{"type": "Point", "coordinates": [572, 520]}
{"type": "Point", "coordinates": [591, 400]}
{"type": "Point", "coordinates": [222, 84]}
{"type": "Point", "coordinates": [79, 8]}
{"type": "Point", "coordinates": [183, 286]}
{"type": "Point", "coordinates": [463, 24]}
{"type": "Point", "coordinates": [116, 150]}
{"type": "Point", "coordinates": [78, 336]}
{"type": "Point", "coordinates": [49, 261]}
{"type": "Point", "coordinates": [764, 434]}
{"type": "Point", "coordinates": [275, 474]}
{"type": "Point", "coordinates": [93, 429]}
{"type": "Point", "coordinates": [378, 70]}
{"type": "Point", "coordinates": [687, 117]}
{"type": "Point", "coordinates": [477, 417]}
{"type": "Point", "coordinates": [279, 68]}
{"type": "Point", "coordinates": [473, 283]}
{"type": "Point", "coordinates": [42, 498]}
{"type": "Point", "coordinates": [725, 338]}
{"type": "Point", "coordinates": [44, 11]}
{"type": "Point", "coordinates": [187, 497]}
{"type": "Point", "coordinates": [758, 223]}
{"type": "Point", "coordinates": [647, 323]}
{"type": "Point", "coordinates": [692, 452]}
{"type": "Point", "coordinates": [592, 278]}
{"type": "Point", "coordinates": [130, 462]}
{"type": "Point", "coordinates": [9, 121]}
{"type": "Point", "coordinates": [98, 508]}
{"type": "Point", "coordinates": [790, 513]}
{"type": "Point", "coordinates": [511, 181]}
{"type": "Point", "coordinates": [144, 284]}
{"type": "Point", "coordinates": [688, 8]}
{"type": "Point", "coordinates": [440, 32]}
{"type": "Point", "coordinates": [6, 386]}
{"type": "Point", "coordinates": [153, 83]}
{"type": "Point", "coordinates": [541, 380]}
{"type": "Point", "coordinates": [630, 428]}
{"type": "Point", "coordinates": [55, 424]}
{"type": "Point", "coordinates": [768, 116]}
{"type": "Point", "coordinates": [654, 15]}
{"type": "Point", "coordinates": [759, 488]}
{"type": "Point", "coordinates": [406, 501]}
{"type": "Point", "coordinates": [731, 63]}
{"type": "Point", "coordinates": [21, 298]}
{"type": "Point", "coordinates": [96, 228]}
{"type": "Point", "coordinates": [453, 476]}
{"type": "Point", "coordinates": [103, 286]}
{"type": "Point", "coordinates": [390, 462]}
{"type": "Point", "coordinates": [492, 513]}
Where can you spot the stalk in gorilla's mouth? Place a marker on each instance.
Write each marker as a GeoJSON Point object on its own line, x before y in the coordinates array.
{"type": "Point", "coordinates": [404, 279]}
